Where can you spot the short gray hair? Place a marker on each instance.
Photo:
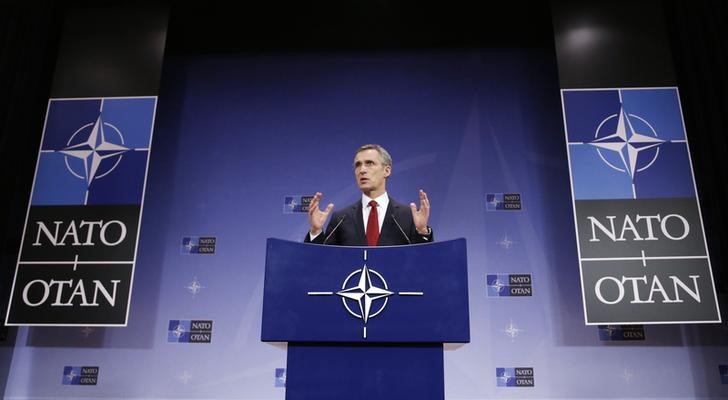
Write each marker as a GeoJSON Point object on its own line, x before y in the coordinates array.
{"type": "Point", "coordinates": [383, 153]}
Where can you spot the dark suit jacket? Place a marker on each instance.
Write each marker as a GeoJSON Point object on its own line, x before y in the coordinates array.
{"type": "Point", "coordinates": [350, 230]}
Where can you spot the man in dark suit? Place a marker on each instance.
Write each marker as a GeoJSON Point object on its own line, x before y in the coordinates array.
{"type": "Point", "coordinates": [376, 220]}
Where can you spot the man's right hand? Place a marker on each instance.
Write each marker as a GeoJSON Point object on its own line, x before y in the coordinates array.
{"type": "Point", "coordinates": [316, 217]}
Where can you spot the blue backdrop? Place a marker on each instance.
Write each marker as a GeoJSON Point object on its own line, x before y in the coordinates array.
{"type": "Point", "coordinates": [235, 134]}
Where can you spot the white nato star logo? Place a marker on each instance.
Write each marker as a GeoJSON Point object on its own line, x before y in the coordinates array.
{"type": "Point", "coordinates": [627, 375]}
{"type": "Point", "coordinates": [194, 287]}
{"type": "Point", "coordinates": [497, 285]}
{"type": "Point", "coordinates": [627, 143]}
{"type": "Point", "coordinates": [87, 331]}
{"type": "Point", "coordinates": [185, 377]}
{"type": "Point", "coordinates": [505, 377]}
{"type": "Point", "coordinates": [506, 242]}
{"type": "Point", "coordinates": [94, 150]}
{"type": "Point", "coordinates": [364, 293]}
{"type": "Point", "coordinates": [292, 205]}
{"type": "Point", "coordinates": [189, 245]}
{"type": "Point", "coordinates": [494, 202]}
{"type": "Point", "coordinates": [611, 330]}
{"type": "Point", "coordinates": [71, 374]}
{"type": "Point", "coordinates": [178, 331]}
{"type": "Point", "coordinates": [512, 330]}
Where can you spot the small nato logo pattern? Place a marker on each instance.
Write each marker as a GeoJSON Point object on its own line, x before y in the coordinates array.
{"type": "Point", "coordinates": [514, 377]}
{"type": "Point", "coordinates": [617, 333]}
{"type": "Point", "coordinates": [503, 202]}
{"type": "Point", "coordinates": [80, 375]}
{"type": "Point", "coordinates": [294, 204]}
{"type": "Point", "coordinates": [198, 245]}
{"type": "Point", "coordinates": [189, 331]}
{"type": "Point", "coordinates": [509, 285]}
{"type": "Point", "coordinates": [280, 378]}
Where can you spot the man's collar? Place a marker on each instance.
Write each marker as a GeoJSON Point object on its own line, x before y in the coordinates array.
{"type": "Point", "coordinates": [382, 200]}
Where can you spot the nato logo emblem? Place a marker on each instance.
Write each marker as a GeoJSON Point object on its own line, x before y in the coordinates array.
{"type": "Point", "coordinates": [189, 331]}
{"type": "Point", "coordinates": [364, 293]}
{"type": "Point", "coordinates": [635, 207]}
{"type": "Point", "coordinates": [198, 245]}
{"type": "Point", "coordinates": [503, 202]}
{"type": "Point", "coordinates": [611, 333]}
{"type": "Point", "coordinates": [294, 204]}
{"type": "Point", "coordinates": [627, 144]}
{"type": "Point", "coordinates": [280, 378]}
{"type": "Point", "coordinates": [509, 285]}
{"type": "Point", "coordinates": [512, 330]}
{"type": "Point", "coordinates": [514, 377]}
{"type": "Point", "coordinates": [94, 151]}
{"type": "Point", "coordinates": [80, 375]}
{"type": "Point", "coordinates": [84, 214]}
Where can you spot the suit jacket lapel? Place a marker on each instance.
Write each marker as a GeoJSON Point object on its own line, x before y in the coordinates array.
{"type": "Point", "coordinates": [388, 228]}
{"type": "Point", "coordinates": [359, 233]}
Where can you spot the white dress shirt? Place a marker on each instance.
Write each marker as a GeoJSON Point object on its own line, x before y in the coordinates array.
{"type": "Point", "coordinates": [382, 203]}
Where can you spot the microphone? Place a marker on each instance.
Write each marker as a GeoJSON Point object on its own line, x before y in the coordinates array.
{"type": "Point", "coordinates": [335, 228]}
{"type": "Point", "coordinates": [401, 230]}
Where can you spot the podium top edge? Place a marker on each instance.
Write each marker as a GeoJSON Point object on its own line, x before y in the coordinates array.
{"type": "Point", "coordinates": [370, 247]}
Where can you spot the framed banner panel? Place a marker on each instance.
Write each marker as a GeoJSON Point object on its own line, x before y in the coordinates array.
{"type": "Point", "coordinates": [76, 263]}
{"type": "Point", "coordinates": [641, 243]}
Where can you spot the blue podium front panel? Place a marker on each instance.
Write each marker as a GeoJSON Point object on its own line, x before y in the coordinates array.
{"type": "Point", "coordinates": [364, 371]}
{"type": "Point", "coordinates": [405, 294]}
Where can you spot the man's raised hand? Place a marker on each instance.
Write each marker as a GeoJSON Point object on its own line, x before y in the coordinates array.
{"type": "Point", "coordinates": [316, 217]}
{"type": "Point", "coordinates": [421, 216]}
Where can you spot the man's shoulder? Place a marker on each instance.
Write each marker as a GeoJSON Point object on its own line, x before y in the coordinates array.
{"type": "Point", "coordinates": [395, 203]}
{"type": "Point", "coordinates": [397, 206]}
{"type": "Point", "coordinates": [349, 209]}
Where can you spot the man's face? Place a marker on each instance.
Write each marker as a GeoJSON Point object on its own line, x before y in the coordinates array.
{"type": "Point", "coordinates": [371, 175]}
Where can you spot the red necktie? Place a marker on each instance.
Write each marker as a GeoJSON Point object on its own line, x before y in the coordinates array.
{"type": "Point", "coordinates": [373, 225]}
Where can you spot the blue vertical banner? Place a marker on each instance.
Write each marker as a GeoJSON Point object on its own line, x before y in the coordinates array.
{"type": "Point", "coordinates": [641, 242]}
{"type": "Point", "coordinates": [76, 263]}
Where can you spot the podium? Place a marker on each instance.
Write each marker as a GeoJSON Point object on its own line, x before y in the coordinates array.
{"type": "Point", "coordinates": [365, 322]}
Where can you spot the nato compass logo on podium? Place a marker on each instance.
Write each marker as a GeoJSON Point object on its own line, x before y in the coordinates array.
{"type": "Point", "coordinates": [94, 151]}
{"type": "Point", "coordinates": [364, 294]}
{"type": "Point", "coordinates": [627, 144]}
